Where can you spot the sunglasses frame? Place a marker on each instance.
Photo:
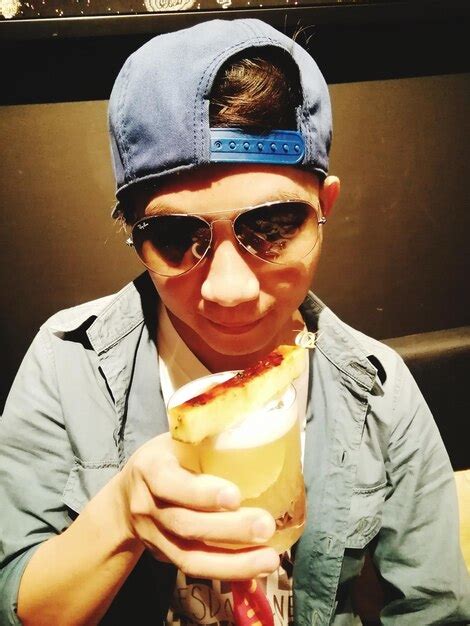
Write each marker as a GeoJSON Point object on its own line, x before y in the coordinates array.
{"type": "Point", "coordinates": [321, 219]}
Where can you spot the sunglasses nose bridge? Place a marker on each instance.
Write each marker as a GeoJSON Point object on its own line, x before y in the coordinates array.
{"type": "Point", "coordinates": [229, 229]}
{"type": "Point", "coordinates": [223, 219]}
{"type": "Point", "coordinates": [229, 221]}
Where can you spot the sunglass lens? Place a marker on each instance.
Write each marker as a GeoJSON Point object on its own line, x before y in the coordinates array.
{"type": "Point", "coordinates": [171, 244]}
{"type": "Point", "coordinates": [280, 233]}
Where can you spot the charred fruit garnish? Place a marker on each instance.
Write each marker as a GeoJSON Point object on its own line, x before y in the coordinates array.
{"type": "Point", "coordinates": [227, 403]}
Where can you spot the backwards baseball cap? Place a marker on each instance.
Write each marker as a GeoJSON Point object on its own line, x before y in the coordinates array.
{"type": "Point", "coordinates": [159, 107]}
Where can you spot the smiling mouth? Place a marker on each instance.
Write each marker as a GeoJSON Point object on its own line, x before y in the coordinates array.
{"type": "Point", "coordinates": [233, 329]}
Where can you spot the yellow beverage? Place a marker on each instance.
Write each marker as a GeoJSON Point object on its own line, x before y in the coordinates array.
{"type": "Point", "coordinates": [260, 454]}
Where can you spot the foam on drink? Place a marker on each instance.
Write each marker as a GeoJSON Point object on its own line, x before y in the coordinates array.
{"type": "Point", "coordinates": [260, 427]}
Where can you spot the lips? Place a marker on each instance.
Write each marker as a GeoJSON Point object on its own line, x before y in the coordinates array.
{"type": "Point", "coordinates": [237, 328]}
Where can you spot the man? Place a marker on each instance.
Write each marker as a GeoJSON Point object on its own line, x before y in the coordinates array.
{"type": "Point", "coordinates": [220, 138]}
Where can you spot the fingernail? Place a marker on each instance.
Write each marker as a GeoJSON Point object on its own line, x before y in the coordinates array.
{"type": "Point", "coordinates": [228, 498]}
{"type": "Point", "coordinates": [262, 529]}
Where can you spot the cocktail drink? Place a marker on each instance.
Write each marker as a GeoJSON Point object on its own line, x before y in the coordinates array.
{"type": "Point", "coordinates": [261, 454]}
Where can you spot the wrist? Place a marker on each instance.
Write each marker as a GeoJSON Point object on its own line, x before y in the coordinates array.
{"type": "Point", "coordinates": [108, 511]}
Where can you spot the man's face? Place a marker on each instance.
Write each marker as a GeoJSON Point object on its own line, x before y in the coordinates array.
{"type": "Point", "coordinates": [233, 303]}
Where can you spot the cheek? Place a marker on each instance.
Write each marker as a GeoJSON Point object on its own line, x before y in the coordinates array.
{"type": "Point", "coordinates": [178, 293]}
{"type": "Point", "coordinates": [287, 285]}
{"type": "Point", "coordinates": [291, 283]}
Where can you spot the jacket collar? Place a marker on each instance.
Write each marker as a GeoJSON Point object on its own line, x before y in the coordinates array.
{"type": "Point", "coordinates": [108, 320]}
{"type": "Point", "coordinates": [130, 308]}
{"type": "Point", "coordinates": [342, 345]}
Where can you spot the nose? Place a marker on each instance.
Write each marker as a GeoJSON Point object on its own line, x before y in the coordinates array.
{"type": "Point", "coordinates": [230, 280]}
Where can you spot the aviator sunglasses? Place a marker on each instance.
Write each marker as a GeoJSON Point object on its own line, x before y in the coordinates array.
{"type": "Point", "coordinates": [280, 232]}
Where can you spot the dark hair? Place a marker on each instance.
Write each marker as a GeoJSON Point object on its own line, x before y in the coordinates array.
{"type": "Point", "coordinates": [258, 93]}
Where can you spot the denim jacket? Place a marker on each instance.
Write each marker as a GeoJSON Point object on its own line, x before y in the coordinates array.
{"type": "Point", "coordinates": [87, 395]}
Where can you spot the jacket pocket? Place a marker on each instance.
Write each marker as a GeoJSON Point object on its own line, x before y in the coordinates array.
{"type": "Point", "coordinates": [365, 516]}
{"type": "Point", "coordinates": [84, 482]}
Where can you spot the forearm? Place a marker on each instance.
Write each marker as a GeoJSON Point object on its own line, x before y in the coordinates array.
{"type": "Point", "coordinates": [73, 577]}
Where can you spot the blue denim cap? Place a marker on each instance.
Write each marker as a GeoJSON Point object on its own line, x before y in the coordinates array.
{"type": "Point", "coordinates": [159, 104]}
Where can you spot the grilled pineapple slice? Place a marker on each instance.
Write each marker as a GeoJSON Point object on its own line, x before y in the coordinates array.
{"type": "Point", "coordinates": [225, 404]}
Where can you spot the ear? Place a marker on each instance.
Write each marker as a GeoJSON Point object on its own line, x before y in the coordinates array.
{"type": "Point", "coordinates": [329, 192]}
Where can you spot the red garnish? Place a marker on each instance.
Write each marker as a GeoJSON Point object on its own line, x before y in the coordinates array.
{"type": "Point", "coordinates": [239, 380]}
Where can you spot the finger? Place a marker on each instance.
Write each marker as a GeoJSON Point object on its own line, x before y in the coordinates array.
{"type": "Point", "coordinates": [201, 561]}
{"type": "Point", "coordinates": [248, 525]}
{"type": "Point", "coordinates": [204, 492]}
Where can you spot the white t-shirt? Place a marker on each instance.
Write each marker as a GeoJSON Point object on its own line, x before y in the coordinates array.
{"type": "Point", "coordinates": [198, 601]}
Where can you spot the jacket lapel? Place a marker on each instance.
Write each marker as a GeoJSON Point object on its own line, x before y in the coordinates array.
{"type": "Point", "coordinates": [340, 379]}
{"type": "Point", "coordinates": [123, 336]}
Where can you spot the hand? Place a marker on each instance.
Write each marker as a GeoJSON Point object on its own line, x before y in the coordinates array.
{"type": "Point", "coordinates": [174, 512]}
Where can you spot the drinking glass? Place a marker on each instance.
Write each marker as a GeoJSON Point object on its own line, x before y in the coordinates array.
{"type": "Point", "coordinates": [261, 454]}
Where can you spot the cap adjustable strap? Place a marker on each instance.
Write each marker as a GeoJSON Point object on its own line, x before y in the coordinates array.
{"type": "Point", "coordinates": [281, 147]}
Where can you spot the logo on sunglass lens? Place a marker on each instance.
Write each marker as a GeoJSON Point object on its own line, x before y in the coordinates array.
{"type": "Point", "coordinates": [143, 225]}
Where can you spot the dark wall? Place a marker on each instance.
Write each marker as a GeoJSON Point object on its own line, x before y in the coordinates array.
{"type": "Point", "coordinates": [395, 259]}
